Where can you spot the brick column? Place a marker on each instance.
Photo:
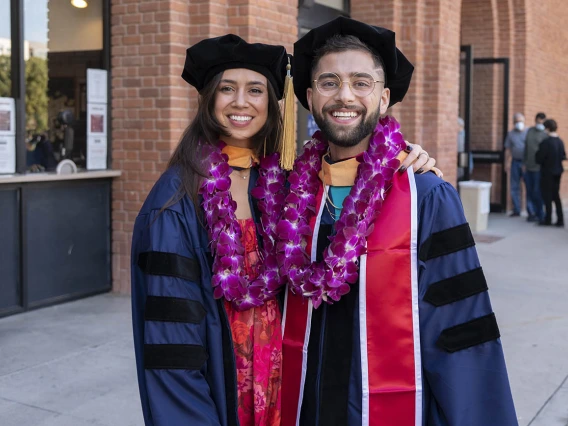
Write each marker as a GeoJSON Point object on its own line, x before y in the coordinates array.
{"type": "Point", "coordinates": [265, 21]}
{"type": "Point", "coordinates": [149, 108]}
{"type": "Point", "coordinates": [151, 104]}
{"type": "Point", "coordinates": [428, 34]}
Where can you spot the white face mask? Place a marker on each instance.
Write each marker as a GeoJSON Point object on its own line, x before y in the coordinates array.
{"type": "Point", "coordinates": [519, 125]}
{"type": "Point", "coordinates": [540, 126]}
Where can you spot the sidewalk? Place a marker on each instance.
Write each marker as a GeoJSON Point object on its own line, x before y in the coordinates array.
{"type": "Point", "coordinates": [72, 364]}
{"type": "Point", "coordinates": [527, 274]}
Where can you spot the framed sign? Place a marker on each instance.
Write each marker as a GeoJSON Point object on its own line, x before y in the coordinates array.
{"type": "Point", "coordinates": [96, 119]}
{"type": "Point", "coordinates": [7, 117]}
{"type": "Point", "coordinates": [97, 86]}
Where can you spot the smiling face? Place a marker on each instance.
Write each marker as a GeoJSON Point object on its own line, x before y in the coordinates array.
{"type": "Point", "coordinates": [241, 105]}
{"type": "Point", "coordinates": [344, 118]}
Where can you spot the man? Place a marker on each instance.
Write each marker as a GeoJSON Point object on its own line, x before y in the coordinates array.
{"type": "Point", "coordinates": [535, 135]}
{"type": "Point", "coordinates": [410, 338]}
{"type": "Point", "coordinates": [515, 146]}
{"type": "Point", "coordinates": [461, 151]}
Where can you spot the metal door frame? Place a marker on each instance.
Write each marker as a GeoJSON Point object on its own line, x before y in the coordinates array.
{"type": "Point", "coordinates": [468, 50]}
{"type": "Point", "coordinates": [487, 156]}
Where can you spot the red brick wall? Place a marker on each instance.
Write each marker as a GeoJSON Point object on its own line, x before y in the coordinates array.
{"type": "Point", "coordinates": [480, 28]}
{"type": "Point", "coordinates": [150, 107]}
{"type": "Point", "coordinates": [151, 104]}
{"type": "Point", "coordinates": [429, 112]}
{"type": "Point", "coordinates": [546, 63]}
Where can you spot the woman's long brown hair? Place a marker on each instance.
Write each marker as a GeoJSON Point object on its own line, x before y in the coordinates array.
{"type": "Point", "coordinates": [206, 129]}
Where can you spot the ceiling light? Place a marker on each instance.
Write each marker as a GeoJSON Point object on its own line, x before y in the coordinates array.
{"type": "Point", "coordinates": [81, 4]}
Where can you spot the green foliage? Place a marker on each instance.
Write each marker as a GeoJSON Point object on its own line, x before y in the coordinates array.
{"type": "Point", "coordinates": [5, 77]}
{"type": "Point", "coordinates": [36, 91]}
{"type": "Point", "coordinates": [36, 95]}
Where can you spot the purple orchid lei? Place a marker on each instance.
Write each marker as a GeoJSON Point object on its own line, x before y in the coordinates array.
{"type": "Point", "coordinates": [229, 279]}
{"type": "Point", "coordinates": [330, 279]}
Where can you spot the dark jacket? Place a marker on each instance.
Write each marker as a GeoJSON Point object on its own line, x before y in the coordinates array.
{"type": "Point", "coordinates": [550, 155]}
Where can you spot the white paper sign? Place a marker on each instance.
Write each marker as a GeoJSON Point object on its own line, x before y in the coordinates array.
{"type": "Point", "coordinates": [7, 154]}
{"type": "Point", "coordinates": [96, 119]}
{"type": "Point", "coordinates": [7, 117]}
{"type": "Point", "coordinates": [97, 86]}
{"type": "Point", "coordinates": [96, 152]}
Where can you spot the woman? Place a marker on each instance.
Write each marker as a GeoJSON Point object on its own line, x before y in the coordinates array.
{"type": "Point", "coordinates": [550, 155]}
{"type": "Point", "coordinates": [207, 324]}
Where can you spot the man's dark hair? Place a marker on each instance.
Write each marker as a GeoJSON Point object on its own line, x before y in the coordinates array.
{"type": "Point", "coordinates": [551, 125]}
{"type": "Point", "coordinates": [540, 116]}
{"type": "Point", "coordinates": [340, 43]}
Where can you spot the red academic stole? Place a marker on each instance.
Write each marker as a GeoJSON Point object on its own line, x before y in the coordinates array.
{"type": "Point", "coordinates": [390, 339]}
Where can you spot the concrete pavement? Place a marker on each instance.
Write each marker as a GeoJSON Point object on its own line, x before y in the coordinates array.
{"type": "Point", "coordinates": [527, 273]}
{"type": "Point", "coordinates": [72, 364]}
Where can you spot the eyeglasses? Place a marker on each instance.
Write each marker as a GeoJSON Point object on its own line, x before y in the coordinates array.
{"type": "Point", "coordinates": [361, 84]}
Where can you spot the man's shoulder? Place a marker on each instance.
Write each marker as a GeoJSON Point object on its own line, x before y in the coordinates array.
{"type": "Point", "coordinates": [427, 184]}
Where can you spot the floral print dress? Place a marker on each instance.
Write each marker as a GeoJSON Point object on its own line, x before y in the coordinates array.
{"type": "Point", "coordinates": [257, 339]}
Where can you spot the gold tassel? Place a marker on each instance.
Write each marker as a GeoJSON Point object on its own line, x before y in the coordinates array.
{"type": "Point", "coordinates": [287, 145]}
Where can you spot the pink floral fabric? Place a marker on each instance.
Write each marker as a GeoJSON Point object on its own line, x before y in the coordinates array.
{"type": "Point", "coordinates": [257, 339]}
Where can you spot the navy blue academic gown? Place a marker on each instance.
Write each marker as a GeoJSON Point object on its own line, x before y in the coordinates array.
{"type": "Point", "coordinates": [465, 383]}
{"type": "Point", "coordinates": [184, 350]}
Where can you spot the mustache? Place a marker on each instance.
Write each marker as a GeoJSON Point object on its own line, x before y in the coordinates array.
{"type": "Point", "coordinates": [362, 110]}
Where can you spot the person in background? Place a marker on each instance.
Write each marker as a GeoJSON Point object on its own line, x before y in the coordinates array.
{"type": "Point", "coordinates": [531, 172]}
{"type": "Point", "coordinates": [461, 145]}
{"type": "Point", "coordinates": [550, 155]}
{"type": "Point", "coordinates": [461, 149]}
{"type": "Point", "coordinates": [515, 146]}
{"type": "Point", "coordinates": [39, 156]}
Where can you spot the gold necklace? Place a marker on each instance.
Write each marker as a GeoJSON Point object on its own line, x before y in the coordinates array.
{"type": "Point", "coordinates": [334, 216]}
{"type": "Point", "coordinates": [238, 172]}
{"type": "Point", "coordinates": [330, 201]}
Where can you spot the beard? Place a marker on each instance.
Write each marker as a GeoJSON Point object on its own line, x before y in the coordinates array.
{"type": "Point", "coordinates": [343, 136]}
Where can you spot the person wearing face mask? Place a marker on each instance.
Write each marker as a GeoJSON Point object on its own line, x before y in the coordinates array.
{"type": "Point", "coordinates": [531, 175]}
{"type": "Point", "coordinates": [515, 146]}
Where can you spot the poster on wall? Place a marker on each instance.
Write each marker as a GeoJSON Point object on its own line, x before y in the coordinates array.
{"type": "Point", "coordinates": [96, 119]}
{"type": "Point", "coordinates": [7, 154]}
{"type": "Point", "coordinates": [97, 86]}
{"type": "Point", "coordinates": [96, 153]}
{"type": "Point", "coordinates": [7, 117]}
{"type": "Point", "coordinates": [96, 136]}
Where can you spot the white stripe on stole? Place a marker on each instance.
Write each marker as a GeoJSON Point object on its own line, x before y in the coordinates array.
{"type": "Point", "coordinates": [363, 339]}
{"type": "Point", "coordinates": [284, 309]}
{"type": "Point", "coordinates": [414, 279]}
{"type": "Point", "coordinates": [313, 257]}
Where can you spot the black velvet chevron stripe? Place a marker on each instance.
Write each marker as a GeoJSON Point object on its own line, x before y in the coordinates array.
{"type": "Point", "coordinates": [229, 366]}
{"type": "Point", "coordinates": [173, 309]}
{"type": "Point", "coordinates": [174, 357]}
{"type": "Point", "coordinates": [456, 288]}
{"type": "Point", "coordinates": [468, 334]}
{"type": "Point", "coordinates": [446, 242]}
{"type": "Point", "coordinates": [169, 264]}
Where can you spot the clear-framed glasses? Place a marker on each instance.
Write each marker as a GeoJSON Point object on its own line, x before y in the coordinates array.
{"type": "Point", "coordinates": [361, 84]}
